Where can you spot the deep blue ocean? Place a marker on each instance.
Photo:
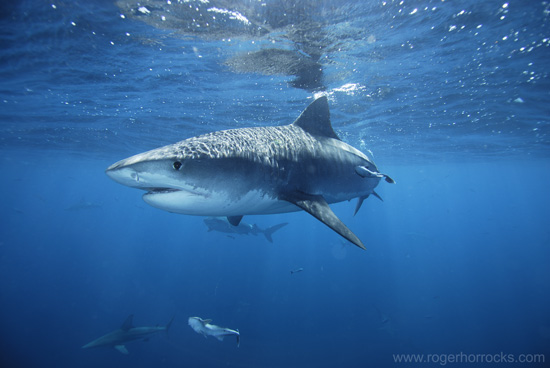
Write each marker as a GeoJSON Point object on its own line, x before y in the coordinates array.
{"type": "Point", "coordinates": [452, 99]}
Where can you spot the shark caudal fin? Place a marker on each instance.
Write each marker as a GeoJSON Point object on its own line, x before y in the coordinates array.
{"type": "Point", "coordinates": [270, 230]}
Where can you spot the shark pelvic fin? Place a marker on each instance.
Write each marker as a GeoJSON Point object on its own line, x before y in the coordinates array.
{"type": "Point", "coordinates": [362, 198]}
{"type": "Point", "coordinates": [128, 324]}
{"type": "Point", "coordinates": [234, 220]}
{"type": "Point", "coordinates": [359, 203]}
{"type": "Point", "coordinates": [318, 207]}
{"type": "Point", "coordinates": [121, 348]}
{"type": "Point", "coordinates": [315, 119]}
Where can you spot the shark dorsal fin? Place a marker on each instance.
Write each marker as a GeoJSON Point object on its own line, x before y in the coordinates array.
{"type": "Point", "coordinates": [128, 324]}
{"type": "Point", "coordinates": [315, 119]}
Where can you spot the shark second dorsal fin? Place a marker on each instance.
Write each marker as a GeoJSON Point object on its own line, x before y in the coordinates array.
{"type": "Point", "coordinates": [315, 119]}
{"type": "Point", "coordinates": [128, 324]}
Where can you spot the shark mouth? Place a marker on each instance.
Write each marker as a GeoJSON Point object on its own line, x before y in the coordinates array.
{"type": "Point", "coordinates": [161, 190]}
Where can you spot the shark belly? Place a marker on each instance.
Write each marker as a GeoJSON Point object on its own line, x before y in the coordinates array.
{"type": "Point", "coordinates": [218, 203]}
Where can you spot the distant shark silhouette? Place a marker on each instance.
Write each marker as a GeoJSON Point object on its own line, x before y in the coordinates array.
{"type": "Point", "coordinates": [83, 205]}
{"type": "Point", "coordinates": [253, 171]}
{"type": "Point", "coordinates": [223, 226]}
{"type": "Point", "coordinates": [127, 332]}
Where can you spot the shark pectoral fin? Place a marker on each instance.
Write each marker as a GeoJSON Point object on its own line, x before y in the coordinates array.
{"type": "Point", "coordinates": [121, 348]}
{"type": "Point", "coordinates": [318, 207]}
{"type": "Point", "coordinates": [234, 220]}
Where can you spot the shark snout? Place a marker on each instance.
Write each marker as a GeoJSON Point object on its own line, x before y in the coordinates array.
{"type": "Point", "coordinates": [124, 175]}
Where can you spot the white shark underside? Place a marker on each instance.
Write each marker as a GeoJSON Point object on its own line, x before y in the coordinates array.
{"type": "Point", "coordinates": [249, 171]}
{"type": "Point", "coordinates": [205, 328]}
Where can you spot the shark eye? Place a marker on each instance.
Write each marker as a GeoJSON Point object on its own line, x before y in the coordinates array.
{"type": "Point", "coordinates": [176, 165]}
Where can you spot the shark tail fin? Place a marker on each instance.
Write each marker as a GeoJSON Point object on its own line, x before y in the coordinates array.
{"type": "Point", "coordinates": [238, 338]}
{"type": "Point", "coordinates": [270, 230]}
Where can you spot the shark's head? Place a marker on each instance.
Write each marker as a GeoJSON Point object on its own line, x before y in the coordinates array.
{"type": "Point", "coordinates": [197, 324]}
{"type": "Point", "coordinates": [169, 179]}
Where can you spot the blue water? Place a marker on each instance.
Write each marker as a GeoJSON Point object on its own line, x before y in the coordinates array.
{"type": "Point", "coordinates": [452, 99]}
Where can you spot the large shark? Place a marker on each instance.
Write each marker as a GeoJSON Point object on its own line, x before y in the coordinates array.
{"type": "Point", "coordinates": [127, 332]}
{"type": "Point", "coordinates": [203, 327]}
{"type": "Point", "coordinates": [262, 170]}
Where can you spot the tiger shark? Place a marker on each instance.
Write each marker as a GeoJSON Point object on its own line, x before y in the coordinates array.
{"type": "Point", "coordinates": [260, 170]}
{"type": "Point", "coordinates": [127, 332]}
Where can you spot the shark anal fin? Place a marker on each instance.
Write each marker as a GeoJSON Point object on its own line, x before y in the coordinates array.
{"type": "Point", "coordinates": [318, 207]}
{"type": "Point", "coordinates": [122, 349]}
{"type": "Point", "coordinates": [234, 220]}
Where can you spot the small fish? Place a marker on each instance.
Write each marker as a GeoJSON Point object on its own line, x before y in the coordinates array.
{"type": "Point", "coordinates": [296, 270]}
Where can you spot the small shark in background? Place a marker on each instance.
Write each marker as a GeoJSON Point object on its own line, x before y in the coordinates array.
{"type": "Point", "coordinates": [127, 332]}
{"type": "Point", "coordinates": [296, 270]}
{"type": "Point", "coordinates": [203, 327]}
{"type": "Point", "coordinates": [83, 205]}
{"type": "Point", "coordinates": [254, 171]}
{"type": "Point", "coordinates": [222, 225]}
